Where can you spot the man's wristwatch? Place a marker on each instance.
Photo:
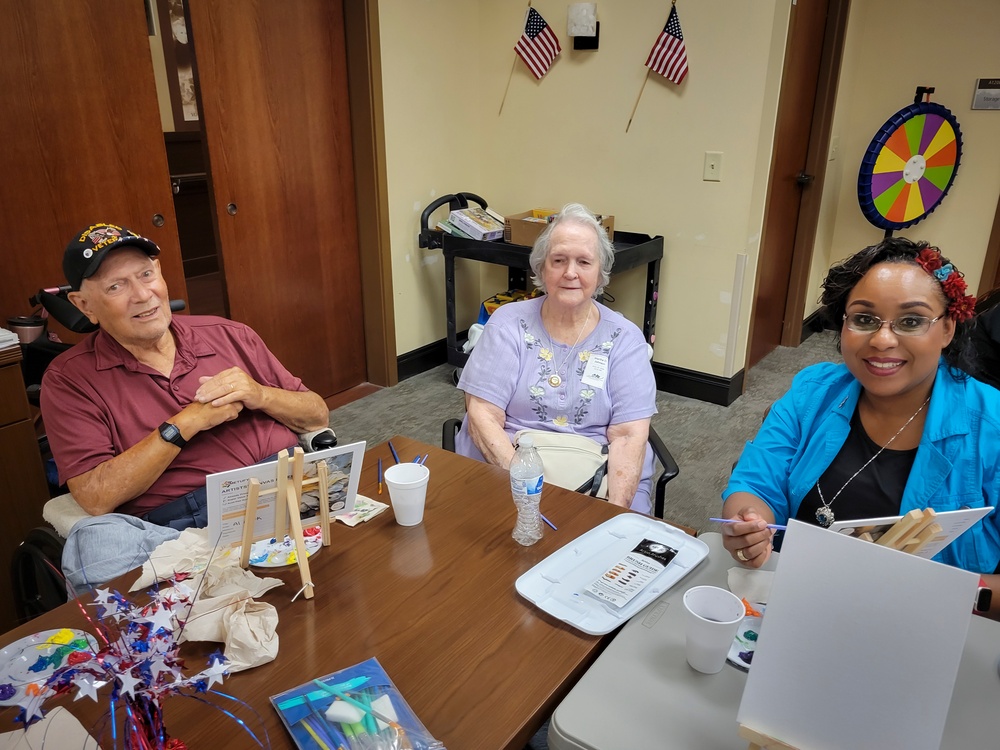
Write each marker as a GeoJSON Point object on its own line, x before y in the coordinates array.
{"type": "Point", "coordinates": [172, 434]}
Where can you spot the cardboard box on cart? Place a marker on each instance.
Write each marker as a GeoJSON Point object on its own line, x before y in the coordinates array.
{"type": "Point", "coordinates": [524, 228]}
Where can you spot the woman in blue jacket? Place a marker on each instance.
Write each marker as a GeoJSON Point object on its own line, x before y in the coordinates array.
{"type": "Point", "coordinates": [900, 425]}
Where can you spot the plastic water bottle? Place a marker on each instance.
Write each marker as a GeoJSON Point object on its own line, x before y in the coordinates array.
{"type": "Point", "coordinates": [526, 487]}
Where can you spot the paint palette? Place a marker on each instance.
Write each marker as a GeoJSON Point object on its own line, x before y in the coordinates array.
{"type": "Point", "coordinates": [270, 553]}
{"type": "Point", "coordinates": [27, 663]}
{"type": "Point", "coordinates": [745, 642]}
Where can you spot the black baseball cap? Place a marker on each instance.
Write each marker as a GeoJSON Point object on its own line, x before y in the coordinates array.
{"type": "Point", "coordinates": [85, 252]}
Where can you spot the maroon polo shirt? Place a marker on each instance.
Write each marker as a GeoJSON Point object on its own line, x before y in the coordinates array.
{"type": "Point", "coordinates": [98, 401]}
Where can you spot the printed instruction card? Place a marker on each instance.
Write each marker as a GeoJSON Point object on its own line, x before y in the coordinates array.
{"type": "Point", "coordinates": [624, 580]}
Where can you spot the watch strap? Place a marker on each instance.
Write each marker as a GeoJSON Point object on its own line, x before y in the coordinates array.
{"type": "Point", "coordinates": [172, 434]}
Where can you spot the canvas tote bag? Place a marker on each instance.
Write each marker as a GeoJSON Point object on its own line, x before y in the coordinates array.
{"type": "Point", "coordinates": [574, 462]}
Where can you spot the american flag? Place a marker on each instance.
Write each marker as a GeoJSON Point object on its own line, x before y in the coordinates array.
{"type": "Point", "coordinates": [669, 55]}
{"type": "Point", "coordinates": [537, 46]}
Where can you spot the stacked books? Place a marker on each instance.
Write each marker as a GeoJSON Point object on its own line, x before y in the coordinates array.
{"type": "Point", "coordinates": [446, 226]}
{"type": "Point", "coordinates": [478, 223]}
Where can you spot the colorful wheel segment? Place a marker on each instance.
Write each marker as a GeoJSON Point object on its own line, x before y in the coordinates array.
{"type": "Point", "coordinates": [909, 166]}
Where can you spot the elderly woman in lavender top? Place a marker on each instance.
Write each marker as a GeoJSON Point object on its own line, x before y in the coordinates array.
{"type": "Point", "coordinates": [566, 363]}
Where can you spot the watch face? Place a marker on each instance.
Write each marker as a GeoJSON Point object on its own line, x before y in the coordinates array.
{"type": "Point", "coordinates": [172, 434]}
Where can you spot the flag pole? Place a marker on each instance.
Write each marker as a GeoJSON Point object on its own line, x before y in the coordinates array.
{"type": "Point", "coordinates": [513, 64]}
{"type": "Point", "coordinates": [643, 88]}
{"type": "Point", "coordinates": [508, 86]}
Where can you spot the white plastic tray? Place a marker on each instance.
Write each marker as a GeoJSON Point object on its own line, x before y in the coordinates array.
{"type": "Point", "coordinates": [556, 584]}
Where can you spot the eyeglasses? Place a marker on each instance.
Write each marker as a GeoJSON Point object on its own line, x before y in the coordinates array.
{"type": "Point", "coordinates": [904, 325]}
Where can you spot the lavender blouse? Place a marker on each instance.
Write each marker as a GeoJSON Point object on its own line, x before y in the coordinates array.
{"type": "Point", "coordinates": [511, 365]}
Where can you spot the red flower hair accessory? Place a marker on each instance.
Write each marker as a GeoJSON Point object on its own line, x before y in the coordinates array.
{"type": "Point", "coordinates": [962, 309]}
{"type": "Point", "coordinates": [954, 286]}
{"type": "Point", "coordinates": [929, 259]}
{"type": "Point", "coordinates": [961, 306]}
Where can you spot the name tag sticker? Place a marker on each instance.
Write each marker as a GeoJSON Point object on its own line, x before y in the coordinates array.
{"type": "Point", "coordinates": [597, 371]}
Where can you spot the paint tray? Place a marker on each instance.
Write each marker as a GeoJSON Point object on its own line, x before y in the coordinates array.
{"type": "Point", "coordinates": [559, 584]}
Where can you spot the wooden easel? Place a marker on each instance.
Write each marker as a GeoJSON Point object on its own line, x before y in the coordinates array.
{"type": "Point", "coordinates": [911, 533]}
{"type": "Point", "coordinates": [759, 741]}
{"type": "Point", "coordinates": [288, 496]}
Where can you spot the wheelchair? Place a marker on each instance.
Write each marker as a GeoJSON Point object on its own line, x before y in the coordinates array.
{"type": "Point", "coordinates": [451, 427]}
{"type": "Point", "coordinates": [36, 565]}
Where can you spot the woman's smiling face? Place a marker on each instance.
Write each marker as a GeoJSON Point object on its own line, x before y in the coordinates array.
{"type": "Point", "coordinates": [888, 364]}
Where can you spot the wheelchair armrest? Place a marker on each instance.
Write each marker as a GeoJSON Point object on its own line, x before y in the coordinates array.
{"type": "Point", "coordinates": [63, 512]}
{"type": "Point", "coordinates": [670, 470]}
{"type": "Point", "coordinates": [318, 440]}
{"type": "Point", "coordinates": [449, 430]}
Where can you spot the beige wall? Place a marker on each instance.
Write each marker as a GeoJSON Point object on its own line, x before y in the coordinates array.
{"type": "Point", "coordinates": [945, 46]}
{"type": "Point", "coordinates": [430, 70]}
{"type": "Point", "coordinates": [445, 65]}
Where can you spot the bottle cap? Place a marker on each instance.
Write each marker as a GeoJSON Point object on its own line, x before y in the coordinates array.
{"type": "Point", "coordinates": [525, 441]}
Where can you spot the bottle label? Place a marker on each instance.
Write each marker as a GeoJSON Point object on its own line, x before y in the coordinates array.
{"type": "Point", "coordinates": [531, 486]}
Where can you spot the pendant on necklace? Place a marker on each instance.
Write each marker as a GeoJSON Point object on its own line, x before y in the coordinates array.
{"type": "Point", "coordinates": [554, 380]}
{"type": "Point", "coordinates": [824, 516]}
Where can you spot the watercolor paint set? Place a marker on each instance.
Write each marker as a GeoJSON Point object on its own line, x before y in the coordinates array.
{"type": "Point", "coordinates": [358, 708]}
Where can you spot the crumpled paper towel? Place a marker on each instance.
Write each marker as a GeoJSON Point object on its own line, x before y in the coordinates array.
{"type": "Point", "coordinates": [225, 610]}
{"type": "Point", "coordinates": [752, 585]}
{"type": "Point", "coordinates": [248, 628]}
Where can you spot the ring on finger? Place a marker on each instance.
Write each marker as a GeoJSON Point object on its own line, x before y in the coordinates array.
{"type": "Point", "coordinates": [742, 557]}
{"type": "Point", "coordinates": [231, 386]}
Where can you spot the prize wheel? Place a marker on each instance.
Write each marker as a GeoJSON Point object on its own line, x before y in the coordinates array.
{"type": "Point", "coordinates": [909, 166]}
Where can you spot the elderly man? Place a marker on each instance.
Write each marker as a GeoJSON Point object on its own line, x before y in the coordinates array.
{"type": "Point", "coordinates": [141, 410]}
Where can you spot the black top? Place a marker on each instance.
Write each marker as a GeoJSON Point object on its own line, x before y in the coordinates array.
{"type": "Point", "coordinates": [875, 492]}
{"type": "Point", "coordinates": [986, 340]}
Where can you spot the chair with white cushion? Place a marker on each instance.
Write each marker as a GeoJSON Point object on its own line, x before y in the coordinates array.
{"type": "Point", "coordinates": [36, 572]}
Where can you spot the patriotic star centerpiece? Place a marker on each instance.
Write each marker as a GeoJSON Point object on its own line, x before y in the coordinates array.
{"type": "Point", "coordinates": [137, 657]}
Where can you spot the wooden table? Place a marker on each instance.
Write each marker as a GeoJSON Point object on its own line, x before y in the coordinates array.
{"type": "Point", "coordinates": [435, 603]}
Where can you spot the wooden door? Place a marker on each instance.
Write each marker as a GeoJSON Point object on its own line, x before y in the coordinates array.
{"type": "Point", "coordinates": [990, 278]}
{"type": "Point", "coordinates": [81, 138]}
{"type": "Point", "coordinates": [272, 81]}
{"type": "Point", "coordinates": [801, 140]}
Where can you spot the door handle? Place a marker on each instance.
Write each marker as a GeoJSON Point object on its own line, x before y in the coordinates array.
{"type": "Point", "coordinates": [804, 179]}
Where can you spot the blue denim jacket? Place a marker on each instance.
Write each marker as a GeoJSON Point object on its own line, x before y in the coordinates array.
{"type": "Point", "coordinates": [957, 463]}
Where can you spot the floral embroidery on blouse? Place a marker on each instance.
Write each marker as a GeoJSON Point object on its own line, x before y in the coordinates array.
{"type": "Point", "coordinates": [543, 356]}
{"type": "Point", "coordinates": [584, 356]}
{"type": "Point", "coordinates": [536, 393]}
{"type": "Point", "coordinates": [586, 396]}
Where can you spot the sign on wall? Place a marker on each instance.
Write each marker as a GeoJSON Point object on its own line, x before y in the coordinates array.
{"type": "Point", "coordinates": [987, 94]}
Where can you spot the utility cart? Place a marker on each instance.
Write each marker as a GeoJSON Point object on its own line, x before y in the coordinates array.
{"type": "Point", "coordinates": [631, 250]}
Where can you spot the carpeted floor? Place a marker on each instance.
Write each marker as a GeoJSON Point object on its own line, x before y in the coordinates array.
{"type": "Point", "coordinates": [704, 438]}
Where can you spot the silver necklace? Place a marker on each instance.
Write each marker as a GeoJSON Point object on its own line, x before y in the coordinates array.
{"type": "Point", "coordinates": [555, 380]}
{"type": "Point", "coordinates": [824, 515]}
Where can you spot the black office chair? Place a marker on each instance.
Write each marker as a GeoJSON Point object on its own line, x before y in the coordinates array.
{"type": "Point", "coordinates": [36, 574]}
{"type": "Point", "coordinates": [670, 469]}
{"type": "Point", "coordinates": [986, 338]}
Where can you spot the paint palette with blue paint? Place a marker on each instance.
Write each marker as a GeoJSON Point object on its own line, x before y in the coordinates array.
{"type": "Point", "coordinates": [270, 553]}
{"type": "Point", "coordinates": [27, 663]}
{"type": "Point", "coordinates": [745, 642]}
